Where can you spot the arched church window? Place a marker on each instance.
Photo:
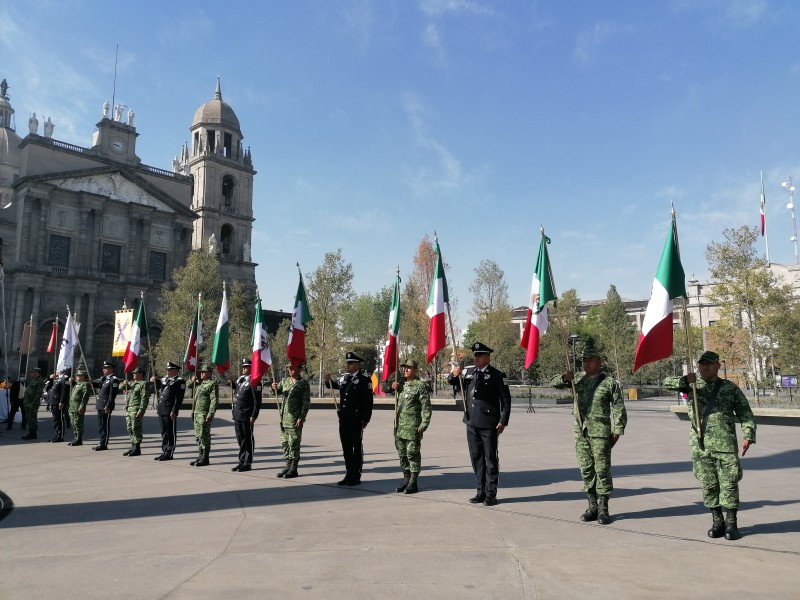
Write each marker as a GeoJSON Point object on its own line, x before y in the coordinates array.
{"type": "Point", "coordinates": [227, 191]}
{"type": "Point", "coordinates": [226, 238]}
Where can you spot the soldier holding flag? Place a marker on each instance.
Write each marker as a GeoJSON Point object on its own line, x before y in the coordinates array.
{"type": "Point", "coordinates": [170, 390]}
{"type": "Point", "coordinates": [108, 388]}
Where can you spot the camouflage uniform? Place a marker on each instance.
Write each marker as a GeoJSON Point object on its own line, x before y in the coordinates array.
{"type": "Point", "coordinates": [296, 403]}
{"type": "Point", "coordinates": [31, 401]}
{"type": "Point", "coordinates": [602, 411]}
{"type": "Point", "coordinates": [412, 416]}
{"type": "Point", "coordinates": [78, 400]}
{"type": "Point", "coordinates": [717, 466]}
{"type": "Point", "coordinates": [138, 399]}
{"type": "Point", "coordinates": [205, 405]}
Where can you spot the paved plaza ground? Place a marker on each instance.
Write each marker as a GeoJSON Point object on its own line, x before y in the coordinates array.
{"type": "Point", "coordinates": [98, 525]}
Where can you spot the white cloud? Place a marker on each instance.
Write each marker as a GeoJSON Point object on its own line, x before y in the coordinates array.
{"type": "Point", "coordinates": [589, 42]}
{"type": "Point", "coordinates": [440, 7]}
{"type": "Point", "coordinates": [431, 38]}
{"type": "Point", "coordinates": [739, 14]}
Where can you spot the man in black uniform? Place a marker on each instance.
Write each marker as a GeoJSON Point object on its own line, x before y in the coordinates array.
{"type": "Point", "coordinates": [246, 406]}
{"type": "Point", "coordinates": [488, 408]}
{"type": "Point", "coordinates": [107, 390]}
{"type": "Point", "coordinates": [355, 411]}
{"type": "Point", "coordinates": [17, 392]}
{"type": "Point", "coordinates": [170, 390]}
{"type": "Point", "coordinates": [58, 399]}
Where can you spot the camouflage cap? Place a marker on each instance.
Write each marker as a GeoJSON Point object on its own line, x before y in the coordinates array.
{"type": "Point", "coordinates": [138, 370]}
{"type": "Point", "coordinates": [590, 350]}
{"type": "Point", "coordinates": [81, 371]}
{"type": "Point", "coordinates": [411, 364]}
{"type": "Point", "coordinates": [206, 367]}
{"type": "Point", "coordinates": [708, 357]}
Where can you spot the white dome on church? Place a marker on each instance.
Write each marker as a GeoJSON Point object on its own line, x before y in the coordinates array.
{"type": "Point", "coordinates": [216, 112]}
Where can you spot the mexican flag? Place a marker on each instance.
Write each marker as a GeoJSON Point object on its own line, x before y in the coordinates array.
{"type": "Point", "coordinates": [655, 341]}
{"type": "Point", "coordinates": [542, 292]}
{"type": "Point", "coordinates": [220, 354]}
{"type": "Point", "coordinates": [436, 301]}
{"type": "Point", "coordinates": [262, 357]}
{"type": "Point", "coordinates": [53, 336]}
{"type": "Point", "coordinates": [390, 353]}
{"type": "Point", "coordinates": [68, 345]}
{"type": "Point", "coordinates": [195, 339]}
{"type": "Point", "coordinates": [134, 347]}
{"type": "Point", "coordinates": [301, 316]}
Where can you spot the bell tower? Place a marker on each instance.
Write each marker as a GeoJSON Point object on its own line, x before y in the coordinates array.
{"type": "Point", "coordinates": [223, 188]}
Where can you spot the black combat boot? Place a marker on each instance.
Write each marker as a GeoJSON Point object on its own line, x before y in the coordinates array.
{"type": "Point", "coordinates": [406, 478]}
{"type": "Point", "coordinates": [412, 488]}
{"type": "Point", "coordinates": [203, 460]}
{"type": "Point", "coordinates": [285, 470]}
{"type": "Point", "coordinates": [31, 435]}
{"type": "Point", "coordinates": [136, 451]}
{"type": "Point", "coordinates": [292, 472]}
{"type": "Point", "coordinates": [9, 423]}
{"type": "Point", "coordinates": [731, 527]}
{"type": "Point", "coordinates": [128, 451]}
{"type": "Point", "coordinates": [602, 510]}
{"type": "Point", "coordinates": [198, 459]}
{"type": "Point", "coordinates": [77, 442]}
{"type": "Point", "coordinates": [590, 514]}
{"type": "Point", "coordinates": [718, 525]}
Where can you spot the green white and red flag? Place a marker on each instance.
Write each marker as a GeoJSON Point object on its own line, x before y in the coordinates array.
{"type": "Point", "coordinates": [542, 292]}
{"type": "Point", "coordinates": [436, 306]}
{"type": "Point", "coordinates": [191, 355]}
{"type": "Point", "coordinates": [134, 347]}
{"type": "Point", "coordinates": [220, 353]}
{"type": "Point", "coordinates": [262, 357]}
{"type": "Point", "coordinates": [301, 316]}
{"type": "Point", "coordinates": [390, 353]}
{"type": "Point", "coordinates": [655, 341]}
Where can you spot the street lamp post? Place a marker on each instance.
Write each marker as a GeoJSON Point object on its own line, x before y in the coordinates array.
{"type": "Point", "coordinates": [573, 338]}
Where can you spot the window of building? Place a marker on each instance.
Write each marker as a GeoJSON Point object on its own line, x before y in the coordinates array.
{"type": "Point", "coordinates": [226, 237]}
{"type": "Point", "coordinates": [58, 252]}
{"type": "Point", "coordinates": [110, 259]}
{"type": "Point", "coordinates": [158, 266]}
{"type": "Point", "coordinates": [227, 190]}
{"type": "Point", "coordinates": [211, 140]}
{"type": "Point", "coordinates": [227, 143]}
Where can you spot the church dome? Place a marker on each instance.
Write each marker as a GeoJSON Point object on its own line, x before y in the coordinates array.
{"type": "Point", "coordinates": [9, 147]}
{"type": "Point", "coordinates": [216, 112]}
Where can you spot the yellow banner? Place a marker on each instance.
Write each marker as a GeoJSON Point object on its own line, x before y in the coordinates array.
{"type": "Point", "coordinates": [123, 322]}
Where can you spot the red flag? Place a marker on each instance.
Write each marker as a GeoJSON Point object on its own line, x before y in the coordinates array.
{"type": "Point", "coordinates": [53, 335]}
{"type": "Point", "coordinates": [195, 339]}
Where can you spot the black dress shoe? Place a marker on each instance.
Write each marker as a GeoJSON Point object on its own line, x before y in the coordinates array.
{"type": "Point", "coordinates": [159, 457]}
{"type": "Point", "coordinates": [490, 501]}
{"type": "Point", "coordinates": [352, 482]}
{"type": "Point", "coordinates": [343, 481]}
{"type": "Point", "coordinates": [30, 436]}
{"type": "Point", "coordinates": [244, 468]}
{"type": "Point", "coordinates": [100, 448]}
{"type": "Point", "coordinates": [56, 440]}
{"type": "Point", "coordinates": [477, 498]}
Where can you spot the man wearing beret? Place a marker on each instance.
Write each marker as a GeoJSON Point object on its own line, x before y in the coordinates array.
{"type": "Point", "coordinates": [206, 397]}
{"type": "Point", "coordinates": [296, 393]}
{"type": "Point", "coordinates": [171, 390]}
{"type": "Point", "coordinates": [107, 390]}
{"type": "Point", "coordinates": [715, 462]}
{"type": "Point", "coordinates": [355, 411]}
{"type": "Point", "coordinates": [246, 406]}
{"type": "Point", "coordinates": [135, 409]}
{"type": "Point", "coordinates": [78, 401]}
{"type": "Point", "coordinates": [488, 408]}
{"type": "Point", "coordinates": [31, 401]}
{"type": "Point", "coordinates": [599, 422]}
{"type": "Point", "coordinates": [412, 415]}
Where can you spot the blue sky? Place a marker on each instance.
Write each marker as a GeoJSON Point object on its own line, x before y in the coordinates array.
{"type": "Point", "coordinates": [372, 123]}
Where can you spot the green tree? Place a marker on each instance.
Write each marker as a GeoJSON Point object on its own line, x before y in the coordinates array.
{"type": "Point", "coordinates": [200, 275]}
{"type": "Point", "coordinates": [241, 307]}
{"type": "Point", "coordinates": [564, 322]}
{"type": "Point", "coordinates": [489, 289]}
{"type": "Point", "coordinates": [328, 288]}
{"type": "Point", "coordinates": [616, 336]}
{"type": "Point", "coordinates": [365, 318]}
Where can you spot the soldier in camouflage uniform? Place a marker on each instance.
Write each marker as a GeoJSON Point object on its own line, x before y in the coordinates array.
{"type": "Point", "coordinates": [601, 421]}
{"type": "Point", "coordinates": [33, 394]}
{"type": "Point", "coordinates": [716, 463]}
{"type": "Point", "coordinates": [138, 398]}
{"type": "Point", "coordinates": [206, 397]}
{"type": "Point", "coordinates": [411, 418]}
{"type": "Point", "coordinates": [296, 401]}
{"type": "Point", "coordinates": [78, 400]}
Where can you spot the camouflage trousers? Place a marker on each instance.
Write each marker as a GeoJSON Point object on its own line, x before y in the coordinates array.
{"type": "Point", "coordinates": [410, 453]}
{"type": "Point", "coordinates": [594, 463]}
{"type": "Point", "coordinates": [202, 432]}
{"type": "Point", "coordinates": [719, 474]}
{"type": "Point", "coordinates": [77, 421]}
{"type": "Point", "coordinates": [31, 414]}
{"type": "Point", "coordinates": [134, 426]}
{"type": "Point", "coordinates": [290, 442]}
